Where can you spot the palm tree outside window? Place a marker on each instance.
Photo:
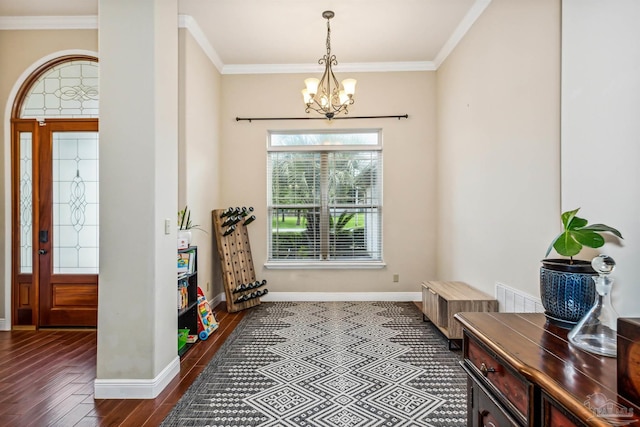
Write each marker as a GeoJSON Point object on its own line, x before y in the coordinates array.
{"type": "Point", "coordinates": [325, 197]}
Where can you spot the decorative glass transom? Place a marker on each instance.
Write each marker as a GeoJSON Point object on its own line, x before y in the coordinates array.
{"type": "Point", "coordinates": [67, 90]}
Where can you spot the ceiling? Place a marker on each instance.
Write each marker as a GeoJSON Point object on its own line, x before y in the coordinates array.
{"type": "Point", "coordinates": [366, 35]}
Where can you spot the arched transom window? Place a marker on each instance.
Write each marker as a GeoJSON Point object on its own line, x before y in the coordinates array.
{"type": "Point", "coordinates": [66, 90]}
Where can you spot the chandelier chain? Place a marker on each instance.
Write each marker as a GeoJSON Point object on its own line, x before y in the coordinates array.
{"type": "Point", "coordinates": [328, 38]}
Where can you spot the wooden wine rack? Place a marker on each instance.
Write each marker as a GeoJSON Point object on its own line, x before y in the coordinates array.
{"type": "Point", "coordinates": [236, 262]}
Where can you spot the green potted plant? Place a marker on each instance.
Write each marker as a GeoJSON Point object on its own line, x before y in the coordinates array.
{"type": "Point", "coordinates": [567, 289]}
{"type": "Point", "coordinates": [184, 228]}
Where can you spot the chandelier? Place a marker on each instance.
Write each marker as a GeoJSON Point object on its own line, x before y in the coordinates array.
{"type": "Point", "coordinates": [325, 95]}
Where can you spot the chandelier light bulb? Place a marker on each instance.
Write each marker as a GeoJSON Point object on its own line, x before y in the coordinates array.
{"type": "Point", "coordinates": [344, 98]}
{"type": "Point", "coordinates": [349, 86]}
{"type": "Point", "coordinates": [306, 96]}
{"type": "Point", "coordinates": [312, 85]}
{"type": "Point", "coordinates": [324, 95]}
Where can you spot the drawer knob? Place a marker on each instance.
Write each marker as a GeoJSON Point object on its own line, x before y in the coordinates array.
{"type": "Point", "coordinates": [486, 370]}
{"type": "Point", "coordinates": [486, 423]}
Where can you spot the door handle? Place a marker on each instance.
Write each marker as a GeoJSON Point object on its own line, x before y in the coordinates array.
{"type": "Point", "coordinates": [42, 251]}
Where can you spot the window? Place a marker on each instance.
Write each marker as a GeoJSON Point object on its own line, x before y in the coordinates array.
{"type": "Point", "coordinates": [325, 198]}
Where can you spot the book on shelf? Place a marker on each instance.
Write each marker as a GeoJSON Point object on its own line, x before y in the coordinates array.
{"type": "Point", "coordinates": [183, 294]}
{"type": "Point", "coordinates": [186, 262]}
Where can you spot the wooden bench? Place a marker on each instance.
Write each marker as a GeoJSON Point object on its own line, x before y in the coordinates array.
{"type": "Point", "coordinates": [441, 300]}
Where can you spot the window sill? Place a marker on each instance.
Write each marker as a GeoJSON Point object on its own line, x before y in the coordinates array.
{"type": "Point", "coordinates": [323, 265]}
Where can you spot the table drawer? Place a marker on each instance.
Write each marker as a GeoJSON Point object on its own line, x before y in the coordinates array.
{"type": "Point", "coordinates": [485, 411]}
{"type": "Point", "coordinates": [512, 389]}
{"type": "Point", "coordinates": [554, 415]}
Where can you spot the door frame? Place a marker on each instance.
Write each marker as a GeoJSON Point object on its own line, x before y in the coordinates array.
{"type": "Point", "coordinates": [12, 258]}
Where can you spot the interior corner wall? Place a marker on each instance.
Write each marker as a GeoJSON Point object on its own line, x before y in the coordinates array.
{"type": "Point", "coordinates": [409, 187]}
{"type": "Point", "coordinates": [199, 153]}
{"type": "Point", "coordinates": [499, 147]}
{"type": "Point", "coordinates": [600, 129]}
{"type": "Point", "coordinates": [20, 50]}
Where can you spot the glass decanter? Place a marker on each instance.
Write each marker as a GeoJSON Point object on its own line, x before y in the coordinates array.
{"type": "Point", "coordinates": [596, 331]}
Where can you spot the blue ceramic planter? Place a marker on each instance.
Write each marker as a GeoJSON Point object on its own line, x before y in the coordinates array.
{"type": "Point", "coordinates": [567, 290]}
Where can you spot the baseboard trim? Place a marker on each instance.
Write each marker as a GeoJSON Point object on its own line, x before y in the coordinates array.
{"type": "Point", "coordinates": [135, 388]}
{"type": "Point", "coordinates": [342, 296]}
{"type": "Point", "coordinates": [217, 299]}
{"type": "Point", "coordinates": [4, 325]}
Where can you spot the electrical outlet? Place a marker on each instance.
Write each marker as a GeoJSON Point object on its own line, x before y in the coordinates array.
{"type": "Point", "coordinates": [167, 226]}
{"type": "Point", "coordinates": [396, 278]}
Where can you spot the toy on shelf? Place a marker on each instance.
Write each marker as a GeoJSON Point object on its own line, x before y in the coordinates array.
{"type": "Point", "coordinates": [207, 322]}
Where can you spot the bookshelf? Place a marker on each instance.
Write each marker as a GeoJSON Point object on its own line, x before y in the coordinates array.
{"type": "Point", "coordinates": [188, 293]}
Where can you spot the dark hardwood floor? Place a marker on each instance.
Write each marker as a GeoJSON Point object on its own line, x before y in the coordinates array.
{"type": "Point", "coordinates": [46, 379]}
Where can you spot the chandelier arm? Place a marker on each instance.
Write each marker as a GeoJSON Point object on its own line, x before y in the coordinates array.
{"type": "Point", "coordinates": [335, 95]}
{"type": "Point", "coordinates": [315, 107]}
{"type": "Point", "coordinates": [325, 76]}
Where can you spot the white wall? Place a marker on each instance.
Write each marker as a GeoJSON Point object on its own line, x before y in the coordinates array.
{"type": "Point", "coordinates": [409, 211]}
{"type": "Point", "coordinates": [199, 153]}
{"type": "Point", "coordinates": [137, 353]}
{"type": "Point", "coordinates": [601, 129]}
{"type": "Point", "coordinates": [498, 147]}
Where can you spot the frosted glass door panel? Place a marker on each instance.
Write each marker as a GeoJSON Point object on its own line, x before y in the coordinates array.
{"type": "Point", "coordinates": [26, 203]}
{"type": "Point", "coordinates": [75, 202]}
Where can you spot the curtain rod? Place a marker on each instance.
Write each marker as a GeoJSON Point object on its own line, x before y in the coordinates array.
{"type": "Point", "coordinates": [250, 119]}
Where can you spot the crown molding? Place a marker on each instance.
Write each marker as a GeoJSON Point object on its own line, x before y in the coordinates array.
{"type": "Point", "coordinates": [379, 67]}
{"type": "Point", "coordinates": [88, 22]}
{"type": "Point", "coordinates": [362, 67]}
{"type": "Point", "coordinates": [189, 23]}
{"type": "Point", "coordinates": [461, 30]}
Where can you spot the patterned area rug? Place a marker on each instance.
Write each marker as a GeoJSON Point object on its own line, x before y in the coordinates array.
{"type": "Point", "coordinates": [329, 364]}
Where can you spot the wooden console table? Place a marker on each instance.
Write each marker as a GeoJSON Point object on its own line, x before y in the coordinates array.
{"type": "Point", "coordinates": [441, 300]}
{"type": "Point", "coordinates": [522, 371]}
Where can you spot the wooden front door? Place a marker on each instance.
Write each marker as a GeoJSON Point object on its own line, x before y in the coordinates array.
{"type": "Point", "coordinates": [58, 285]}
